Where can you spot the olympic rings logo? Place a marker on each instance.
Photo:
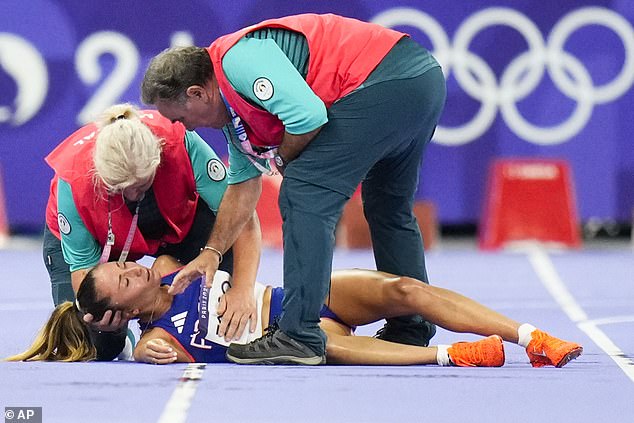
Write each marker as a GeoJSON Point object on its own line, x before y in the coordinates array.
{"type": "Point", "coordinates": [524, 72]}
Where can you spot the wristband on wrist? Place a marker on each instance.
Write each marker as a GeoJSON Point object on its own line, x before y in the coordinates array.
{"type": "Point", "coordinates": [209, 247]}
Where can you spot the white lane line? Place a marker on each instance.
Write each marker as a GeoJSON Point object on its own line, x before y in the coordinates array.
{"type": "Point", "coordinates": [612, 320]}
{"type": "Point", "coordinates": [550, 279]}
{"type": "Point", "coordinates": [177, 406]}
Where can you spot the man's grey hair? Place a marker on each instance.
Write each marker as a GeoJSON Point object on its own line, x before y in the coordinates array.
{"type": "Point", "coordinates": [170, 73]}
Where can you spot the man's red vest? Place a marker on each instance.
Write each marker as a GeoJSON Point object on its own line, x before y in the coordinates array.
{"type": "Point", "coordinates": [174, 187]}
{"type": "Point", "coordinates": [343, 52]}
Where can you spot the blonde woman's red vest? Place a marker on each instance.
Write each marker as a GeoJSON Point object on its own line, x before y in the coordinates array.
{"type": "Point", "coordinates": [174, 187]}
{"type": "Point", "coordinates": [343, 52]}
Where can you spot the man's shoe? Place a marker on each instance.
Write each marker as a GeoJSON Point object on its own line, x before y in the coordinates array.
{"type": "Point", "coordinates": [411, 332]}
{"type": "Point", "coordinates": [546, 350]}
{"type": "Point", "coordinates": [488, 352]}
{"type": "Point", "coordinates": [275, 347]}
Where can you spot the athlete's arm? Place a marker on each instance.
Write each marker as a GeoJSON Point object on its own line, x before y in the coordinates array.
{"type": "Point", "coordinates": [157, 347]}
{"type": "Point", "coordinates": [165, 265]}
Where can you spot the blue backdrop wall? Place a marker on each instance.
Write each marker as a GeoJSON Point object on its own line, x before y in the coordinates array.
{"type": "Point", "coordinates": [525, 79]}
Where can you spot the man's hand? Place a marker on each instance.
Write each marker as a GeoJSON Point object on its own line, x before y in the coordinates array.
{"type": "Point", "coordinates": [108, 322]}
{"type": "Point", "coordinates": [236, 307]}
{"type": "Point", "coordinates": [155, 351]}
{"type": "Point", "coordinates": [205, 264]}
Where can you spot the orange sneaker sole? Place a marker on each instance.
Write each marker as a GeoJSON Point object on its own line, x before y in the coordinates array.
{"type": "Point", "coordinates": [570, 356]}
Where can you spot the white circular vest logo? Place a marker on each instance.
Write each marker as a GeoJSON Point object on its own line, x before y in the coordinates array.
{"type": "Point", "coordinates": [216, 170]}
{"type": "Point", "coordinates": [64, 224]}
{"type": "Point", "coordinates": [263, 89]}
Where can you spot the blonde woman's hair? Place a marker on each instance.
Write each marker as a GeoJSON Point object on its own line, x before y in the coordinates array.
{"type": "Point", "coordinates": [126, 150]}
{"type": "Point", "coordinates": [64, 338]}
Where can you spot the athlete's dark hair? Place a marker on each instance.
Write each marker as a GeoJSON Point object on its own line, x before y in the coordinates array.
{"type": "Point", "coordinates": [65, 336]}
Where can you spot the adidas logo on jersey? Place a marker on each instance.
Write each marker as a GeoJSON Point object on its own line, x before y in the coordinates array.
{"type": "Point", "coordinates": [179, 321]}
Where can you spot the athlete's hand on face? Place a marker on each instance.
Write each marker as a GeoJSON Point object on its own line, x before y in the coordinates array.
{"type": "Point", "coordinates": [108, 322]}
{"type": "Point", "coordinates": [156, 351]}
{"type": "Point", "coordinates": [236, 307]}
{"type": "Point", "coordinates": [205, 264]}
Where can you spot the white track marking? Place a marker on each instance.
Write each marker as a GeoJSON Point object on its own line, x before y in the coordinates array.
{"type": "Point", "coordinates": [177, 406]}
{"type": "Point", "coordinates": [550, 279]}
{"type": "Point", "coordinates": [612, 320]}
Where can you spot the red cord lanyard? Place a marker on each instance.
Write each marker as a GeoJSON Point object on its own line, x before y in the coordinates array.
{"type": "Point", "coordinates": [245, 146]}
{"type": "Point", "coordinates": [105, 255]}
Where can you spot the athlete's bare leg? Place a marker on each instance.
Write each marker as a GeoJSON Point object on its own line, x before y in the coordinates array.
{"type": "Point", "coordinates": [360, 297]}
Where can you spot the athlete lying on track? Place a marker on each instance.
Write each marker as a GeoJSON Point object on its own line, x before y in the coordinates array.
{"type": "Point", "coordinates": [182, 328]}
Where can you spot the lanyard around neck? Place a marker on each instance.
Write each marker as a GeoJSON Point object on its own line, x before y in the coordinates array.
{"type": "Point", "coordinates": [245, 145]}
{"type": "Point", "coordinates": [105, 255]}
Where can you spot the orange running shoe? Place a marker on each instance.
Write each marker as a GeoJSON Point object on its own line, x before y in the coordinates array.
{"type": "Point", "coordinates": [488, 352]}
{"type": "Point", "coordinates": [546, 350]}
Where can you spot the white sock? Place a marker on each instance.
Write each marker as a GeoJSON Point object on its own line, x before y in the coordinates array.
{"type": "Point", "coordinates": [524, 334]}
{"type": "Point", "coordinates": [442, 355]}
